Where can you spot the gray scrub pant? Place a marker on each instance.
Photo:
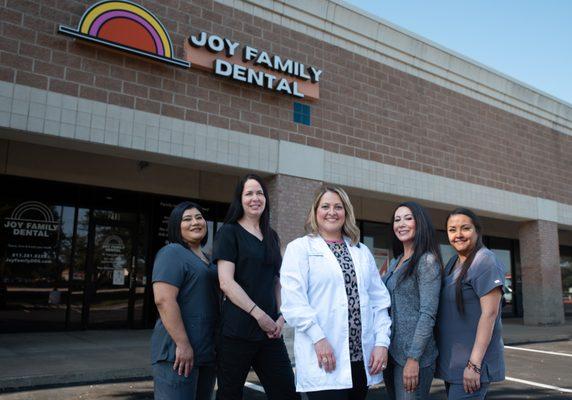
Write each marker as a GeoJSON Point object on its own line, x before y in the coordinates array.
{"type": "Point", "coordinates": [393, 378]}
{"type": "Point", "coordinates": [456, 391]}
{"type": "Point", "coordinates": [168, 385]}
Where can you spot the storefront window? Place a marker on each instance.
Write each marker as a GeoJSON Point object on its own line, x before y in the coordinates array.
{"type": "Point", "coordinates": [139, 279]}
{"type": "Point", "coordinates": [503, 249]}
{"type": "Point", "coordinates": [35, 243]}
{"type": "Point", "coordinates": [377, 237]}
{"type": "Point", "coordinates": [447, 251]}
{"type": "Point", "coordinates": [81, 256]}
{"type": "Point", "coordinates": [78, 269]}
{"type": "Point", "coordinates": [566, 268]}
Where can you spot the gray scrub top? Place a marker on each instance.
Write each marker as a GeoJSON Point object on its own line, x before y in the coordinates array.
{"type": "Point", "coordinates": [457, 332]}
{"type": "Point", "coordinates": [198, 300]}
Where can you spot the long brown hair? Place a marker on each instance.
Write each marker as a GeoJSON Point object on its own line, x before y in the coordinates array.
{"type": "Point", "coordinates": [470, 258]}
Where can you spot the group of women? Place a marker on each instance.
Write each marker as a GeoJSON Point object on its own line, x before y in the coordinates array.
{"type": "Point", "coordinates": [420, 320]}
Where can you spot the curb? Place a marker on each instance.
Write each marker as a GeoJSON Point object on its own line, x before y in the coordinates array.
{"type": "Point", "coordinates": [74, 379]}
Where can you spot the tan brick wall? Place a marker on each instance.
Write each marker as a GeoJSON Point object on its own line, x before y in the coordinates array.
{"type": "Point", "coordinates": [290, 201]}
{"type": "Point", "coordinates": [541, 276]}
{"type": "Point", "coordinates": [366, 109]}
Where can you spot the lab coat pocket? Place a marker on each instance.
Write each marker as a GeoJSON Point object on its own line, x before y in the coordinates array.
{"type": "Point", "coordinates": [306, 359]}
{"type": "Point", "coordinates": [366, 320]}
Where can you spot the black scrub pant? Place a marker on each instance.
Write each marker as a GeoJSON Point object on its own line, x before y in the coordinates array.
{"type": "Point", "coordinates": [357, 392]}
{"type": "Point", "coordinates": [268, 358]}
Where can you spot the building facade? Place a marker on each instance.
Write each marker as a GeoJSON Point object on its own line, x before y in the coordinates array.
{"type": "Point", "coordinates": [111, 112]}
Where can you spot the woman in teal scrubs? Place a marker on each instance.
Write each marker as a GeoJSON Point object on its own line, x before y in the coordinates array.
{"type": "Point", "coordinates": [185, 287]}
{"type": "Point", "coordinates": [469, 323]}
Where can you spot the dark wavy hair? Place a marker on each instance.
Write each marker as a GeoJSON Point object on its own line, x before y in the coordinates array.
{"type": "Point", "coordinates": [236, 212]}
{"type": "Point", "coordinates": [174, 224]}
{"type": "Point", "coordinates": [465, 267]}
{"type": "Point", "coordinates": [425, 240]}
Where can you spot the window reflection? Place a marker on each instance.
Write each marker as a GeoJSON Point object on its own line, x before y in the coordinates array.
{"type": "Point", "coordinates": [377, 237]}
{"type": "Point", "coordinates": [36, 244]}
{"type": "Point", "coordinates": [566, 269]}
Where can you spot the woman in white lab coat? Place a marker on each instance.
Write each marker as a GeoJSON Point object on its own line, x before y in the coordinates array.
{"type": "Point", "coordinates": [334, 298]}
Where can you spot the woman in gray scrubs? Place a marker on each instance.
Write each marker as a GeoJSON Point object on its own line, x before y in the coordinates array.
{"type": "Point", "coordinates": [414, 282]}
{"type": "Point", "coordinates": [185, 287]}
{"type": "Point", "coordinates": [469, 324]}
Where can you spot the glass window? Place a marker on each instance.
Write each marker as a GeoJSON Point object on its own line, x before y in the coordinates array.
{"type": "Point", "coordinates": [377, 237]}
{"type": "Point", "coordinates": [503, 249]}
{"type": "Point", "coordinates": [35, 243]}
{"type": "Point", "coordinates": [566, 269]}
{"type": "Point", "coordinates": [447, 251]}
{"type": "Point", "coordinates": [302, 113]}
{"type": "Point", "coordinates": [139, 277]}
{"type": "Point", "coordinates": [77, 282]}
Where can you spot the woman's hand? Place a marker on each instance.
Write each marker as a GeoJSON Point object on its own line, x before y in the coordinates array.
{"type": "Point", "coordinates": [325, 354]}
{"type": "Point", "coordinates": [471, 380]}
{"type": "Point", "coordinates": [377, 360]}
{"type": "Point", "coordinates": [411, 375]}
{"type": "Point", "coordinates": [184, 356]}
{"type": "Point", "coordinates": [264, 321]}
{"type": "Point", "coordinates": [279, 326]}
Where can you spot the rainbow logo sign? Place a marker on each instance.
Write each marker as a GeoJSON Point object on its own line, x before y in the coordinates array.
{"type": "Point", "coordinates": [126, 26]}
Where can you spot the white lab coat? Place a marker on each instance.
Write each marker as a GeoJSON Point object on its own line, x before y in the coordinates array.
{"type": "Point", "coordinates": [315, 303]}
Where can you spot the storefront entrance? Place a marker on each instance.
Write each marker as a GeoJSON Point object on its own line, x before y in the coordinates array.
{"type": "Point", "coordinates": [80, 257]}
{"type": "Point", "coordinates": [110, 273]}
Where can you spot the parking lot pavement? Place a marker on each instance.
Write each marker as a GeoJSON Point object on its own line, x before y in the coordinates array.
{"type": "Point", "coordinates": [536, 371]}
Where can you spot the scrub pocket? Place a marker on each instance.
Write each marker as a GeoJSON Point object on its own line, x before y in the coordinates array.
{"type": "Point", "coordinates": [169, 385]}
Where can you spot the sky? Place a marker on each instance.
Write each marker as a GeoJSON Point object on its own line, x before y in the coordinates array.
{"type": "Point", "coordinates": [529, 40]}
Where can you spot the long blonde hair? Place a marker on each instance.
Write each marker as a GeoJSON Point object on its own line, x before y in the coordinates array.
{"type": "Point", "coordinates": [349, 229]}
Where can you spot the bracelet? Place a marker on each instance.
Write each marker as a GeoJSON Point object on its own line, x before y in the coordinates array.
{"type": "Point", "coordinates": [473, 367]}
{"type": "Point", "coordinates": [253, 307]}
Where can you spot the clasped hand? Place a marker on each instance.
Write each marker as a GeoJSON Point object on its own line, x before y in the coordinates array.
{"type": "Point", "coordinates": [273, 329]}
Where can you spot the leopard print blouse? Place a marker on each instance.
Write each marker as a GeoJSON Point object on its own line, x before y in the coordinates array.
{"type": "Point", "coordinates": [343, 256]}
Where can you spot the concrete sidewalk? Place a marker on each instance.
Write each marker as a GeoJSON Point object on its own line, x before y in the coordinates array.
{"type": "Point", "coordinates": [63, 358]}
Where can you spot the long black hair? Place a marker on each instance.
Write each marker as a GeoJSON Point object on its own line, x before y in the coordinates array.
{"type": "Point", "coordinates": [236, 212]}
{"type": "Point", "coordinates": [425, 240]}
{"type": "Point", "coordinates": [470, 258]}
{"type": "Point", "coordinates": [174, 224]}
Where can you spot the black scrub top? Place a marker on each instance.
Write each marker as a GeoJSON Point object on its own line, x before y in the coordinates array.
{"type": "Point", "coordinates": [198, 300]}
{"type": "Point", "coordinates": [254, 275]}
{"type": "Point", "coordinates": [457, 332]}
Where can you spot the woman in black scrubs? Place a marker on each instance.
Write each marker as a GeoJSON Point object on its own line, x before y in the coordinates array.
{"type": "Point", "coordinates": [186, 294]}
{"type": "Point", "coordinates": [247, 253]}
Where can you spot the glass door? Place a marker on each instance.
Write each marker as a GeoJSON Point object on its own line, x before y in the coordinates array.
{"type": "Point", "coordinates": [110, 275]}
{"type": "Point", "coordinates": [504, 251]}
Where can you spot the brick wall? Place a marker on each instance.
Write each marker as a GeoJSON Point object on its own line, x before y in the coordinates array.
{"type": "Point", "coordinates": [290, 201]}
{"type": "Point", "coordinates": [366, 109]}
{"type": "Point", "coordinates": [541, 276]}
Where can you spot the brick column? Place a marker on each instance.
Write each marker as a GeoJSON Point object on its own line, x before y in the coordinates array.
{"type": "Point", "coordinates": [541, 276]}
{"type": "Point", "coordinates": [290, 200]}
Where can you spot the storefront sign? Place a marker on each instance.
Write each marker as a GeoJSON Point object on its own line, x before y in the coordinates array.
{"type": "Point", "coordinates": [253, 66]}
{"type": "Point", "coordinates": [32, 233]}
{"type": "Point", "coordinates": [113, 258]}
{"type": "Point", "coordinates": [129, 27]}
{"type": "Point", "coordinates": [126, 26]}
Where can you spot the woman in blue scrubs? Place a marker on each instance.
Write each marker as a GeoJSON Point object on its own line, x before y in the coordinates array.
{"type": "Point", "coordinates": [185, 287]}
{"type": "Point", "coordinates": [470, 342]}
